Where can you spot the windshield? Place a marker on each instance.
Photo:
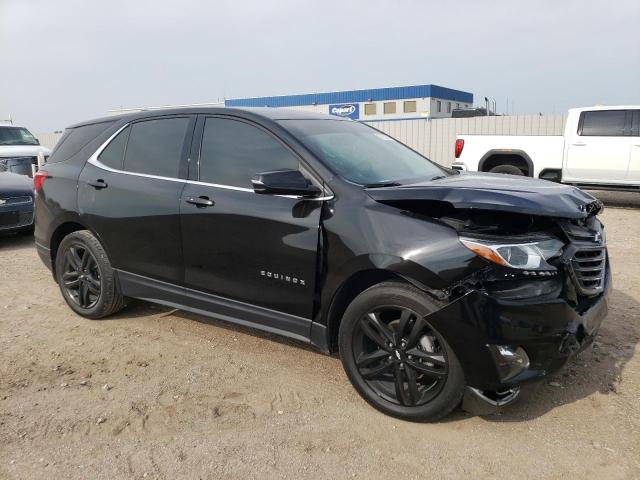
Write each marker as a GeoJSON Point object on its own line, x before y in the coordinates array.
{"type": "Point", "coordinates": [16, 136]}
{"type": "Point", "coordinates": [362, 154]}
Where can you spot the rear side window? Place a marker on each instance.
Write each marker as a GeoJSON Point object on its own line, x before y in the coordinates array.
{"type": "Point", "coordinates": [75, 139]}
{"type": "Point", "coordinates": [113, 155]}
{"type": "Point", "coordinates": [155, 146]}
{"type": "Point", "coordinates": [234, 151]}
{"type": "Point", "coordinates": [604, 123]}
{"type": "Point", "coordinates": [635, 126]}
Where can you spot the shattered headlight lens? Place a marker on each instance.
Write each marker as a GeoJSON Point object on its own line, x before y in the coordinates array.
{"type": "Point", "coordinates": [532, 255]}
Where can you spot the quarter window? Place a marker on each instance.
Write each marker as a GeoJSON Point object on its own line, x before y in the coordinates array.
{"type": "Point", "coordinates": [155, 147]}
{"type": "Point", "coordinates": [75, 139]}
{"type": "Point", "coordinates": [603, 123]}
{"type": "Point", "coordinates": [410, 106]}
{"type": "Point", "coordinates": [390, 107]}
{"type": "Point", "coordinates": [233, 152]}
{"type": "Point", "coordinates": [113, 155]}
{"type": "Point", "coordinates": [369, 108]}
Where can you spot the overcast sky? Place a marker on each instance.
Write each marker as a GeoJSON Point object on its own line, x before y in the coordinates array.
{"type": "Point", "coordinates": [62, 61]}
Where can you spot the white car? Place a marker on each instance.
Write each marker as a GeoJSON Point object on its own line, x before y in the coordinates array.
{"type": "Point", "coordinates": [19, 150]}
{"type": "Point", "coordinates": [600, 149]}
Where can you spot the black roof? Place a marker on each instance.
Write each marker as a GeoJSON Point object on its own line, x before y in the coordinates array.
{"type": "Point", "coordinates": [246, 112]}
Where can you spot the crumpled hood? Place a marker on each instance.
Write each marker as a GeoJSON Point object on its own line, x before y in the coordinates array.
{"type": "Point", "coordinates": [12, 184]}
{"type": "Point", "coordinates": [497, 192]}
{"type": "Point", "coordinates": [22, 150]}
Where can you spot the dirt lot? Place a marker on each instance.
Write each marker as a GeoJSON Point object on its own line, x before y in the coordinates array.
{"type": "Point", "coordinates": [152, 393]}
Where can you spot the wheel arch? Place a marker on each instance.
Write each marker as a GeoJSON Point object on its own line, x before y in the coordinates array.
{"type": "Point", "coordinates": [513, 157]}
{"type": "Point", "coordinates": [353, 286]}
{"type": "Point", "coordinates": [61, 231]}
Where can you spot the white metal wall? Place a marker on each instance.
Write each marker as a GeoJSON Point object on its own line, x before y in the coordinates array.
{"type": "Point", "coordinates": [435, 138]}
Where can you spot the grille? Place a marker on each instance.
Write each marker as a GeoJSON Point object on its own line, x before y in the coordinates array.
{"type": "Point", "coordinates": [15, 219]}
{"type": "Point", "coordinates": [588, 267]}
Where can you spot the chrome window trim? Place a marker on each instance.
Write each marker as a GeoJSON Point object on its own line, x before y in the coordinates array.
{"type": "Point", "coordinates": [93, 160]}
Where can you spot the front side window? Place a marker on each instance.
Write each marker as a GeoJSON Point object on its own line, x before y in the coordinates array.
{"type": "Point", "coordinates": [17, 136]}
{"type": "Point", "coordinates": [155, 147]}
{"type": "Point", "coordinates": [113, 155]}
{"type": "Point", "coordinates": [369, 108]}
{"type": "Point", "coordinates": [362, 154]}
{"type": "Point", "coordinates": [390, 107]}
{"type": "Point", "coordinates": [603, 123]}
{"type": "Point", "coordinates": [234, 151]}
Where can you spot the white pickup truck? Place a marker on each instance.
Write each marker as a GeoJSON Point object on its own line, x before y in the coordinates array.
{"type": "Point", "coordinates": [19, 150]}
{"type": "Point", "coordinates": [600, 149]}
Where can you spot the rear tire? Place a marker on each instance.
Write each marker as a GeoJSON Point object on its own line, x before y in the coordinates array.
{"type": "Point", "coordinates": [85, 276]}
{"type": "Point", "coordinates": [508, 169]}
{"type": "Point", "coordinates": [395, 360]}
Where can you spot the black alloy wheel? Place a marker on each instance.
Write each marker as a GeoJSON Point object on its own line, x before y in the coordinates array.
{"type": "Point", "coordinates": [394, 358]}
{"type": "Point", "coordinates": [85, 276]}
{"type": "Point", "coordinates": [81, 276]}
{"type": "Point", "coordinates": [400, 356]}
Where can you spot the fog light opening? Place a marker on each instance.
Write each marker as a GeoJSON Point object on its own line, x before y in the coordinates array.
{"type": "Point", "coordinates": [509, 360]}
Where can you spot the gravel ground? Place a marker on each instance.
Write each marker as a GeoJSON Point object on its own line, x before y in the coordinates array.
{"type": "Point", "coordinates": [154, 393]}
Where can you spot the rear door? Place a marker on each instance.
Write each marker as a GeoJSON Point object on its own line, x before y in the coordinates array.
{"type": "Point", "coordinates": [252, 248]}
{"type": "Point", "coordinates": [633, 175]}
{"type": "Point", "coordinates": [599, 151]}
{"type": "Point", "coordinates": [129, 194]}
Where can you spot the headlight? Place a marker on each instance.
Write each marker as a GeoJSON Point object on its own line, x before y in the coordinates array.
{"type": "Point", "coordinates": [522, 255]}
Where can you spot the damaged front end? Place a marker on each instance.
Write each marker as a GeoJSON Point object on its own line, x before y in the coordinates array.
{"type": "Point", "coordinates": [538, 300]}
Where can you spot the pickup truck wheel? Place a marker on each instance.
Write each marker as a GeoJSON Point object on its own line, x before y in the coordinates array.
{"type": "Point", "coordinates": [395, 360]}
{"type": "Point", "coordinates": [508, 169]}
{"type": "Point", "coordinates": [85, 276]}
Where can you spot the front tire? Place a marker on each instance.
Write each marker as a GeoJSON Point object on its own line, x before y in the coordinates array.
{"type": "Point", "coordinates": [85, 276]}
{"type": "Point", "coordinates": [395, 360]}
{"type": "Point", "coordinates": [508, 169]}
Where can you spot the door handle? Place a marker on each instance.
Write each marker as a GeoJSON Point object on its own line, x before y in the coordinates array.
{"type": "Point", "coordinates": [200, 201]}
{"type": "Point", "coordinates": [579, 144]}
{"type": "Point", "coordinates": [98, 184]}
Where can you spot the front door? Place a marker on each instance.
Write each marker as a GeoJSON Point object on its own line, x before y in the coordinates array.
{"type": "Point", "coordinates": [599, 151]}
{"type": "Point", "coordinates": [252, 248]}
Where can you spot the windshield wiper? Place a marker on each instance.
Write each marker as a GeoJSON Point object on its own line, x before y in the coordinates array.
{"type": "Point", "coordinates": [381, 184]}
{"type": "Point", "coordinates": [438, 177]}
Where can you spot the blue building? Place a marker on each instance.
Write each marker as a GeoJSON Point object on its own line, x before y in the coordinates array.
{"type": "Point", "coordinates": [390, 103]}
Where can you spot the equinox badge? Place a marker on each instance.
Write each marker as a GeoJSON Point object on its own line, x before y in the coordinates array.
{"type": "Point", "coordinates": [284, 278]}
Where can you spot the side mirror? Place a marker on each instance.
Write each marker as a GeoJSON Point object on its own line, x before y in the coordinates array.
{"type": "Point", "coordinates": [284, 182]}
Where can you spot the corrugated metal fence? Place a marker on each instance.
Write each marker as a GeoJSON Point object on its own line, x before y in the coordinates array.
{"type": "Point", "coordinates": [436, 138]}
{"type": "Point", "coordinates": [48, 140]}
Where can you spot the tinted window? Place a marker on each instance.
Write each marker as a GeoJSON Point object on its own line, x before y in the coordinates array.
{"type": "Point", "coordinates": [605, 123]}
{"type": "Point", "coordinates": [233, 152]}
{"type": "Point", "coordinates": [635, 129]}
{"type": "Point", "coordinates": [155, 147]}
{"type": "Point", "coordinates": [16, 136]}
{"type": "Point", "coordinates": [74, 139]}
{"type": "Point", "coordinates": [113, 155]}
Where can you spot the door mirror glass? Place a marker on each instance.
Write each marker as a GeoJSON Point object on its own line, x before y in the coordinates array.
{"type": "Point", "coordinates": [284, 182]}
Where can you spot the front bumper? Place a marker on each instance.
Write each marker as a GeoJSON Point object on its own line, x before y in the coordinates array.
{"type": "Point", "coordinates": [549, 331]}
{"type": "Point", "coordinates": [16, 217]}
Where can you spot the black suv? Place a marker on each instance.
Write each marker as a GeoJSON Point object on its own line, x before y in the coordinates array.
{"type": "Point", "coordinates": [434, 286]}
